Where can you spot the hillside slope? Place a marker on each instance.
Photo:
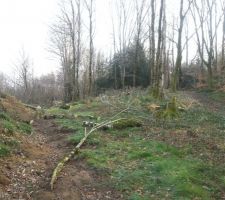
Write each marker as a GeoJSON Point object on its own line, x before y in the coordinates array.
{"type": "Point", "coordinates": [15, 144]}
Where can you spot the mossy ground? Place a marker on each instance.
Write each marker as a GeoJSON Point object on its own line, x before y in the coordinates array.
{"type": "Point", "coordinates": [175, 158]}
{"type": "Point", "coordinates": [14, 120]}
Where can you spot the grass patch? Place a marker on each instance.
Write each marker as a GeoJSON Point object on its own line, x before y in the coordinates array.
{"type": "Point", "coordinates": [4, 116]}
{"type": "Point", "coordinates": [128, 132]}
{"type": "Point", "coordinates": [4, 150]}
{"type": "Point", "coordinates": [214, 94]}
{"type": "Point", "coordinates": [71, 124]}
{"type": "Point", "coordinates": [139, 161]}
{"type": "Point", "coordinates": [24, 128]}
{"type": "Point", "coordinates": [56, 111]}
{"type": "Point", "coordinates": [8, 126]}
{"type": "Point", "coordinates": [11, 126]}
{"type": "Point", "coordinates": [78, 129]}
{"type": "Point", "coordinates": [200, 117]}
{"type": "Point", "coordinates": [92, 140]}
{"type": "Point", "coordinates": [152, 169]}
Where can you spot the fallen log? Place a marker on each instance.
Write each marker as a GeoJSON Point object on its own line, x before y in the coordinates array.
{"type": "Point", "coordinates": [75, 151]}
{"type": "Point", "coordinates": [30, 106]}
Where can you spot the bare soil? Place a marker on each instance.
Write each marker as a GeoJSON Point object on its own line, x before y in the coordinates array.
{"type": "Point", "coordinates": [27, 174]}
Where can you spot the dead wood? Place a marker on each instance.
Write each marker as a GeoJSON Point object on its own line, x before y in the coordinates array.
{"type": "Point", "coordinates": [75, 151]}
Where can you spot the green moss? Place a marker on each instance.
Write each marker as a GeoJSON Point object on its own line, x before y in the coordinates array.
{"type": "Point", "coordinates": [170, 111]}
{"type": "Point", "coordinates": [127, 123]}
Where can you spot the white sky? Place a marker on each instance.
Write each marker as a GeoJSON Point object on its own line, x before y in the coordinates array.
{"type": "Point", "coordinates": [24, 23]}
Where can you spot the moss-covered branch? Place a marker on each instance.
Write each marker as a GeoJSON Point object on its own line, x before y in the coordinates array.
{"type": "Point", "coordinates": [75, 151]}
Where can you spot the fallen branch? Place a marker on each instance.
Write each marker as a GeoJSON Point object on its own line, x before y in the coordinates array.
{"type": "Point", "coordinates": [75, 151]}
{"type": "Point", "coordinates": [30, 106]}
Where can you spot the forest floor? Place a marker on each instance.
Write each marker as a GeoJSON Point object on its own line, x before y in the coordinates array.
{"type": "Point", "coordinates": [180, 158]}
{"type": "Point", "coordinates": [32, 172]}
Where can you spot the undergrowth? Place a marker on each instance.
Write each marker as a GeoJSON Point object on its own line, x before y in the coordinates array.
{"type": "Point", "coordinates": [214, 95]}
{"type": "Point", "coordinates": [146, 162]}
{"type": "Point", "coordinates": [9, 127]}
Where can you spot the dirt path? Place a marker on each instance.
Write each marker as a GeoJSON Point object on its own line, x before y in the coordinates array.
{"type": "Point", "coordinates": [30, 170]}
{"type": "Point", "coordinates": [77, 181]}
{"type": "Point", "coordinates": [214, 106]}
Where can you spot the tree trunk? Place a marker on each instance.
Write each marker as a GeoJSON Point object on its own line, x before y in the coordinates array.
{"type": "Point", "coordinates": [177, 70]}
{"type": "Point", "coordinates": [157, 87]}
{"type": "Point", "coordinates": [152, 42]}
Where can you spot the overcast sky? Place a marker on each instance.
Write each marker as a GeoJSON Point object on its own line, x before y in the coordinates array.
{"type": "Point", "coordinates": [24, 23]}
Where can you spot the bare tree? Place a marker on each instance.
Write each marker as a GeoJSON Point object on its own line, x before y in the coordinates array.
{"type": "Point", "coordinates": [90, 8]}
{"type": "Point", "coordinates": [114, 51]}
{"type": "Point", "coordinates": [66, 36]}
{"type": "Point", "coordinates": [205, 13]}
{"type": "Point", "coordinates": [60, 46]}
{"type": "Point", "coordinates": [223, 37]}
{"type": "Point", "coordinates": [177, 70]}
{"type": "Point", "coordinates": [165, 54]}
{"type": "Point", "coordinates": [157, 85]}
{"type": "Point", "coordinates": [25, 73]}
{"type": "Point", "coordinates": [140, 18]}
{"type": "Point", "coordinates": [152, 43]}
{"type": "Point", "coordinates": [187, 44]}
{"type": "Point", "coordinates": [123, 31]}
{"type": "Point", "coordinates": [79, 30]}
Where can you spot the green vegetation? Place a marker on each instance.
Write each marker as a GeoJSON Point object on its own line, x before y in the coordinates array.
{"type": "Point", "coordinates": [152, 169]}
{"type": "Point", "coordinates": [9, 127]}
{"type": "Point", "coordinates": [65, 107]}
{"type": "Point", "coordinates": [126, 123]}
{"type": "Point", "coordinates": [70, 124]}
{"type": "Point", "coordinates": [214, 95]}
{"type": "Point", "coordinates": [24, 128]}
{"type": "Point", "coordinates": [4, 116]}
{"type": "Point", "coordinates": [178, 156]}
{"type": "Point", "coordinates": [4, 150]}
